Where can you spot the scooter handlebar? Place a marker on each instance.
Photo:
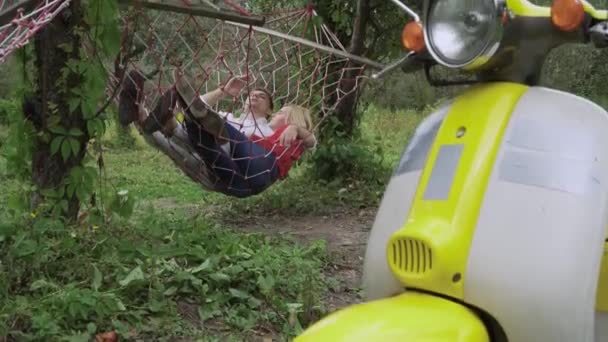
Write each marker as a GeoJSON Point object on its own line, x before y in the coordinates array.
{"type": "Point", "coordinates": [594, 12]}
{"type": "Point", "coordinates": [525, 8]}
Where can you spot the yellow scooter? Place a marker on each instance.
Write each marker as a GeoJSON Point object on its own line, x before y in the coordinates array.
{"type": "Point", "coordinates": [493, 226]}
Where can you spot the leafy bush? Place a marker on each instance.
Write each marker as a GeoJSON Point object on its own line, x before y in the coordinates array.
{"type": "Point", "coordinates": [343, 158]}
{"type": "Point", "coordinates": [16, 144]}
{"type": "Point", "coordinates": [349, 159]}
{"type": "Point", "coordinates": [8, 108]}
{"type": "Point", "coordinates": [373, 151]}
{"type": "Point", "coordinates": [401, 91]}
{"type": "Point", "coordinates": [60, 281]}
{"type": "Point", "coordinates": [117, 136]}
{"type": "Point", "coordinates": [10, 74]}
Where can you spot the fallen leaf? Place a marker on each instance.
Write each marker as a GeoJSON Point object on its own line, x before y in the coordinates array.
{"type": "Point", "coordinates": [110, 336]}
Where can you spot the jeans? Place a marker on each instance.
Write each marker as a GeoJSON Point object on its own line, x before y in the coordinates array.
{"type": "Point", "coordinates": [248, 170]}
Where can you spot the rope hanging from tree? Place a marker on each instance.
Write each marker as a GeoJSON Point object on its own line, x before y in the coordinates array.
{"type": "Point", "coordinates": [295, 57]}
{"type": "Point", "coordinates": [21, 20]}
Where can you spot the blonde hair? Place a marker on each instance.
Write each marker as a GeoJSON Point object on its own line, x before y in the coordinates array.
{"type": "Point", "coordinates": [299, 116]}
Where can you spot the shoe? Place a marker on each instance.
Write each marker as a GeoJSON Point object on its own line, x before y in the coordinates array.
{"type": "Point", "coordinates": [130, 95]}
{"type": "Point", "coordinates": [211, 121]}
{"type": "Point", "coordinates": [162, 113]}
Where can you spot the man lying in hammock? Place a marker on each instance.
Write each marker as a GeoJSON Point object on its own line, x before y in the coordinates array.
{"type": "Point", "coordinates": [245, 155]}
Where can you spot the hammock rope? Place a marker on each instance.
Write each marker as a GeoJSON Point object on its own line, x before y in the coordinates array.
{"type": "Point", "coordinates": [294, 56]}
{"type": "Point", "coordinates": [21, 20]}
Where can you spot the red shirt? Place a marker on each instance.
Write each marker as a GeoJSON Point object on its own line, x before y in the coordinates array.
{"type": "Point", "coordinates": [285, 156]}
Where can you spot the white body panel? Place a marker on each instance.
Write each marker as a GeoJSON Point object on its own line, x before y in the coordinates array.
{"type": "Point", "coordinates": [537, 247]}
{"type": "Point", "coordinates": [535, 255]}
{"type": "Point", "coordinates": [378, 281]}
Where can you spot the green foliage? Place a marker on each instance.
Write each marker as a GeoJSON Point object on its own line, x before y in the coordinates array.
{"type": "Point", "coordinates": [152, 265]}
{"type": "Point", "coordinates": [58, 281]}
{"type": "Point", "coordinates": [346, 159]}
{"type": "Point", "coordinates": [302, 195]}
{"type": "Point", "coordinates": [16, 147]}
{"type": "Point", "coordinates": [9, 78]}
{"type": "Point", "coordinates": [7, 108]}
{"type": "Point", "coordinates": [371, 153]}
{"type": "Point", "coordinates": [124, 137]}
{"type": "Point", "coordinates": [66, 141]}
{"type": "Point", "coordinates": [74, 118]}
{"type": "Point", "coordinates": [123, 204]}
{"type": "Point", "coordinates": [579, 69]}
{"type": "Point", "coordinates": [405, 91]}
{"type": "Point", "coordinates": [150, 175]}
{"type": "Point", "coordinates": [382, 34]}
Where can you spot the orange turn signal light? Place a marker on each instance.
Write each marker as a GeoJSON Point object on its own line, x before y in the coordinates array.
{"type": "Point", "coordinates": [412, 36]}
{"type": "Point", "coordinates": [567, 15]}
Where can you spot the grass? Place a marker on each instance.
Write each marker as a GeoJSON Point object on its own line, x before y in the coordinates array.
{"type": "Point", "coordinates": [3, 137]}
{"type": "Point", "coordinates": [165, 273]}
{"type": "Point", "coordinates": [391, 129]}
{"type": "Point", "coordinates": [141, 279]}
{"type": "Point", "coordinates": [150, 175]}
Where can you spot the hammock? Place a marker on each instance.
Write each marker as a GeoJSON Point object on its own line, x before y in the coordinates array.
{"type": "Point", "coordinates": [20, 20]}
{"type": "Point", "coordinates": [294, 56]}
{"type": "Point", "coordinates": [291, 53]}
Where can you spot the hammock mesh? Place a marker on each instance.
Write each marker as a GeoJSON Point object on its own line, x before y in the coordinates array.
{"type": "Point", "coordinates": [288, 56]}
{"type": "Point", "coordinates": [212, 50]}
{"type": "Point", "coordinates": [21, 20]}
{"type": "Point", "coordinates": [293, 55]}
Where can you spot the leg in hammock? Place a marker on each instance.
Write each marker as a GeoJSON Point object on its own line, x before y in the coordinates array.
{"type": "Point", "coordinates": [215, 158]}
{"type": "Point", "coordinates": [249, 167]}
{"type": "Point", "coordinates": [207, 128]}
{"type": "Point", "coordinates": [258, 165]}
{"type": "Point", "coordinates": [250, 171]}
{"type": "Point", "coordinates": [159, 128]}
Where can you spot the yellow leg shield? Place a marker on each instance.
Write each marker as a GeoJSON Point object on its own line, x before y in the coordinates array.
{"type": "Point", "coordinates": [411, 316]}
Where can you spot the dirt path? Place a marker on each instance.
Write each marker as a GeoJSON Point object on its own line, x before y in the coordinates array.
{"type": "Point", "coordinates": [344, 230]}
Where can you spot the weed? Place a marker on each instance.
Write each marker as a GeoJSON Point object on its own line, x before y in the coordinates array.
{"type": "Point", "coordinates": [62, 280]}
{"type": "Point", "coordinates": [166, 273]}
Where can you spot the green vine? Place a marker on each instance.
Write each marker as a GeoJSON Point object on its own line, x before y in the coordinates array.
{"type": "Point", "coordinates": [82, 85]}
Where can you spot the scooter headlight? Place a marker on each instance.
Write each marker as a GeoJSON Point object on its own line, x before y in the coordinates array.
{"type": "Point", "coordinates": [462, 33]}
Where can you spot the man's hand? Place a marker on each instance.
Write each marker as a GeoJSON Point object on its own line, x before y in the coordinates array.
{"type": "Point", "coordinates": [289, 135]}
{"type": "Point", "coordinates": [234, 86]}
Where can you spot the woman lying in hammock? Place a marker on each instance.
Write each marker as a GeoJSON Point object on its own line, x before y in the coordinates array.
{"type": "Point", "coordinates": [245, 155]}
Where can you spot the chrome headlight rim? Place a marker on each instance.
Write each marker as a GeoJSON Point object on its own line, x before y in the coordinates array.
{"type": "Point", "coordinates": [489, 49]}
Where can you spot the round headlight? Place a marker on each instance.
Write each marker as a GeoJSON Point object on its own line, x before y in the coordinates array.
{"type": "Point", "coordinates": [461, 32]}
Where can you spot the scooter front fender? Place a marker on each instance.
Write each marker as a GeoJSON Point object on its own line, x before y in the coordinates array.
{"type": "Point", "coordinates": [411, 316]}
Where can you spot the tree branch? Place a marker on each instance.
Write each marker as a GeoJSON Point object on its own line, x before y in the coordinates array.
{"type": "Point", "coordinates": [174, 6]}
{"type": "Point", "coordinates": [357, 43]}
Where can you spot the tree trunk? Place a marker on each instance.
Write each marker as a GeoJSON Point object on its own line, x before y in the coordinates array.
{"type": "Point", "coordinates": [346, 109]}
{"type": "Point", "coordinates": [50, 106]}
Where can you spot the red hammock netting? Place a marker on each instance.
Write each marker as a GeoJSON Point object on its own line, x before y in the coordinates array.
{"type": "Point", "coordinates": [293, 55]}
{"type": "Point", "coordinates": [21, 20]}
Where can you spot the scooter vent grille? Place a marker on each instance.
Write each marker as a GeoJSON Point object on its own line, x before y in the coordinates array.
{"type": "Point", "coordinates": [412, 256]}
